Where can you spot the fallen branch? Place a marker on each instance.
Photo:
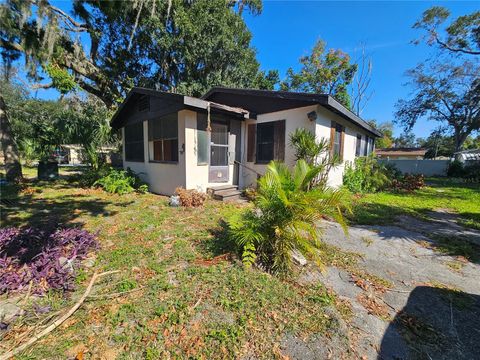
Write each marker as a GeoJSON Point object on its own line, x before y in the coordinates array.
{"type": "Point", "coordinates": [60, 320]}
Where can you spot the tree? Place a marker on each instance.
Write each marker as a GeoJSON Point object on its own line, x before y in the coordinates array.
{"type": "Point", "coordinates": [440, 144]}
{"type": "Point", "coordinates": [323, 72]}
{"type": "Point", "coordinates": [360, 92]}
{"type": "Point", "coordinates": [185, 46]}
{"type": "Point", "coordinates": [445, 93]}
{"type": "Point", "coordinates": [461, 36]}
{"type": "Point", "coordinates": [386, 128]}
{"type": "Point", "coordinates": [406, 140]}
{"type": "Point", "coordinates": [40, 126]}
{"type": "Point", "coordinates": [11, 158]}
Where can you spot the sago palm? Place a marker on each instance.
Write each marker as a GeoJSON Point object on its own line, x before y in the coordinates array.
{"type": "Point", "coordinates": [285, 217]}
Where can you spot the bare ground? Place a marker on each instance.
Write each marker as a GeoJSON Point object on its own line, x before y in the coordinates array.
{"type": "Point", "coordinates": [419, 303]}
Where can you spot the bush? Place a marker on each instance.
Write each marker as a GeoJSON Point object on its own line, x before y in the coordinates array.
{"type": "Point", "coordinates": [408, 183]}
{"type": "Point", "coordinates": [121, 182]}
{"type": "Point", "coordinates": [455, 169]}
{"type": "Point", "coordinates": [284, 218]}
{"type": "Point", "coordinates": [46, 259]}
{"type": "Point", "coordinates": [190, 198]}
{"type": "Point", "coordinates": [89, 177]}
{"type": "Point", "coordinates": [366, 175]}
{"type": "Point", "coordinates": [472, 172]}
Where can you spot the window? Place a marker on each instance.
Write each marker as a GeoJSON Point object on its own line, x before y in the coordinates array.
{"type": "Point", "coordinates": [202, 139]}
{"type": "Point", "coordinates": [134, 142]}
{"type": "Point", "coordinates": [336, 139]}
{"type": "Point", "coordinates": [265, 133]}
{"type": "Point", "coordinates": [163, 138]}
{"type": "Point", "coordinates": [365, 146]}
{"type": "Point", "coordinates": [270, 141]}
{"type": "Point", "coordinates": [144, 103]}
{"type": "Point", "coordinates": [358, 146]}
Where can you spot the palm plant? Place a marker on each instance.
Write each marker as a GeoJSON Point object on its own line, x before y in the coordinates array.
{"type": "Point", "coordinates": [315, 153]}
{"type": "Point", "coordinates": [285, 216]}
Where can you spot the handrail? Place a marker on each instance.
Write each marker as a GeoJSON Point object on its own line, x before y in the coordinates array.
{"type": "Point", "coordinates": [247, 167]}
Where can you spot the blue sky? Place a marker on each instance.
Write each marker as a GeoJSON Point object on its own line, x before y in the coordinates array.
{"type": "Point", "coordinates": [286, 30]}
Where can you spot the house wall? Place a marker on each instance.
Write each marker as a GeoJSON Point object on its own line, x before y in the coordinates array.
{"type": "Point", "coordinates": [296, 118]}
{"type": "Point", "coordinates": [323, 130]}
{"type": "Point", "coordinates": [162, 178]}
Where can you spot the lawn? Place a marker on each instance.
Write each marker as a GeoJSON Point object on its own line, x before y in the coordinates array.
{"type": "Point", "coordinates": [458, 197]}
{"type": "Point", "coordinates": [184, 296]}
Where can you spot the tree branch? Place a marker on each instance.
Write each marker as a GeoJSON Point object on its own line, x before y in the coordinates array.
{"type": "Point", "coordinates": [453, 49]}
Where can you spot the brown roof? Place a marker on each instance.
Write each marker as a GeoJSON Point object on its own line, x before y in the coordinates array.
{"type": "Point", "coordinates": [401, 152]}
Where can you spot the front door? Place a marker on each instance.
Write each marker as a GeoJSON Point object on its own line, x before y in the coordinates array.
{"type": "Point", "coordinates": [218, 171]}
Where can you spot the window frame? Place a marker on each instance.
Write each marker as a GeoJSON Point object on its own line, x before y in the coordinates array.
{"type": "Point", "coordinates": [127, 143]}
{"type": "Point", "coordinates": [162, 139]}
{"type": "Point", "coordinates": [337, 128]}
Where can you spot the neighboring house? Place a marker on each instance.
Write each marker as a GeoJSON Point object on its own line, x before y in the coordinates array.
{"type": "Point", "coordinates": [74, 154]}
{"type": "Point", "coordinates": [401, 153]}
{"type": "Point", "coordinates": [228, 136]}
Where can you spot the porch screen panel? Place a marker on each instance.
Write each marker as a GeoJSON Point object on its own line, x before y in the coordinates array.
{"type": "Point", "coordinates": [134, 142]}
{"type": "Point", "coordinates": [163, 138]}
{"type": "Point", "coordinates": [202, 139]}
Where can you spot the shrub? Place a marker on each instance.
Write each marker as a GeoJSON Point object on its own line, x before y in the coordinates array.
{"type": "Point", "coordinates": [472, 172]}
{"type": "Point", "coordinates": [89, 177]}
{"type": "Point", "coordinates": [190, 198]}
{"type": "Point", "coordinates": [455, 169]}
{"type": "Point", "coordinates": [408, 183]}
{"type": "Point", "coordinates": [121, 182]}
{"type": "Point", "coordinates": [366, 175]}
{"type": "Point", "coordinates": [46, 259]}
{"type": "Point", "coordinates": [284, 218]}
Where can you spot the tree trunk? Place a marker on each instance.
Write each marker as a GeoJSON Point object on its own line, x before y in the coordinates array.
{"type": "Point", "coordinates": [459, 139]}
{"type": "Point", "coordinates": [11, 157]}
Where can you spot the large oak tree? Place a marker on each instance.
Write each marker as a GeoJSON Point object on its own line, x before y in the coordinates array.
{"type": "Point", "coordinates": [107, 47]}
{"type": "Point", "coordinates": [445, 93]}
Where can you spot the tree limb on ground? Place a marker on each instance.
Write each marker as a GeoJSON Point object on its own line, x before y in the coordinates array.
{"type": "Point", "coordinates": [60, 320]}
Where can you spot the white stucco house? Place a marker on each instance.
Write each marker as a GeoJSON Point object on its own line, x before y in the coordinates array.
{"type": "Point", "coordinates": [228, 136]}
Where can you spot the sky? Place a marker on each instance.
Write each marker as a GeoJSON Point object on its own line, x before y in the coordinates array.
{"type": "Point", "coordinates": [287, 30]}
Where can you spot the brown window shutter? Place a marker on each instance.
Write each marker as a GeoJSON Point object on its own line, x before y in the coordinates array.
{"type": "Point", "coordinates": [251, 134]}
{"type": "Point", "coordinates": [332, 136]}
{"type": "Point", "coordinates": [279, 140]}
{"type": "Point", "coordinates": [342, 143]}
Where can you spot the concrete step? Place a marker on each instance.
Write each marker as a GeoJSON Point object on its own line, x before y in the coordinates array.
{"type": "Point", "coordinates": [227, 194]}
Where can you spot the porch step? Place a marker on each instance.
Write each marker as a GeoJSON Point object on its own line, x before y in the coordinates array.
{"type": "Point", "coordinates": [225, 193]}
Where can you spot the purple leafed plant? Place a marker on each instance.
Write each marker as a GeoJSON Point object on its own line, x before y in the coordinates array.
{"type": "Point", "coordinates": [45, 258]}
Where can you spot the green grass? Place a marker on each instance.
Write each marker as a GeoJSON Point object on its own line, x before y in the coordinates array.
{"type": "Point", "coordinates": [458, 197]}
{"type": "Point", "coordinates": [181, 300]}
